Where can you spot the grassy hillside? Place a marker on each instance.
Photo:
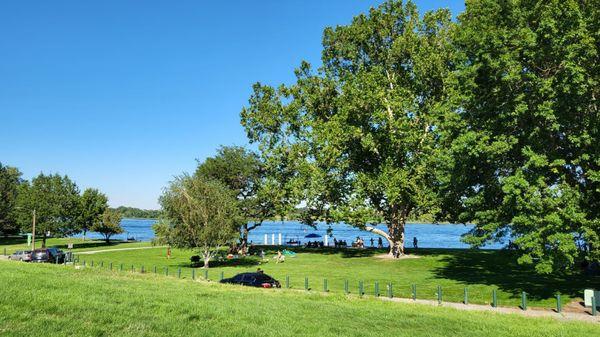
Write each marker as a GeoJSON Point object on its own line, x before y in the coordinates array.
{"type": "Point", "coordinates": [480, 271]}
{"type": "Point", "coordinates": [61, 301]}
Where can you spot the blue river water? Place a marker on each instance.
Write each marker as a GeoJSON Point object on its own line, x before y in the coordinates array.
{"type": "Point", "coordinates": [428, 235]}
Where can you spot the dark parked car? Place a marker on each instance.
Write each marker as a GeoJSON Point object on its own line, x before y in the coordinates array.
{"type": "Point", "coordinates": [51, 255]}
{"type": "Point", "coordinates": [21, 255]}
{"type": "Point", "coordinates": [253, 280]}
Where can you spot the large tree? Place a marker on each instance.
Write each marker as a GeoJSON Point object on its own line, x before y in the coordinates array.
{"type": "Point", "coordinates": [526, 154]}
{"type": "Point", "coordinates": [199, 214]}
{"type": "Point", "coordinates": [92, 205]}
{"type": "Point", "coordinates": [358, 140]}
{"type": "Point", "coordinates": [55, 199]}
{"type": "Point", "coordinates": [10, 178]}
{"type": "Point", "coordinates": [243, 172]}
{"type": "Point", "coordinates": [109, 224]}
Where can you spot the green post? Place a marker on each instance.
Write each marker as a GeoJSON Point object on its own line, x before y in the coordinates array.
{"type": "Point", "coordinates": [524, 300]}
{"type": "Point", "coordinates": [121, 267]}
{"type": "Point", "coordinates": [361, 288]}
{"type": "Point", "coordinates": [206, 274]}
{"type": "Point", "coordinates": [84, 263]}
{"type": "Point", "coordinates": [155, 270]}
{"type": "Point", "coordinates": [193, 274]}
{"type": "Point", "coordinates": [390, 291]}
{"type": "Point", "coordinates": [494, 298]}
{"type": "Point", "coordinates": [92, 265]}
{"type": "Point", "coordinates": [306, 283]}
{"type": "Point", "coordinates": [594, 309]}
{"type": "Point", "coordinates": [346, 291]}
{"type": "Point", "coordinates": [221, 277]}
{"type": "Point", "coordinates": [376, 289]}
{"type": "Point", "coordinates": [132, 268]}
{"type": "Point", "coordinates": [166, 271]}
{"type": "Point", "coordinates": [325, 285]}
{"type": "Point", "coordinates": [558, 304]}
{"type": "Point", "coordinates": [101, 264]}
{"type": "Point", "coordinates": [466, 300]}
{"type": "Point", "coordinates": [110, 266]}
{"type": "Point", "coordinates": [287, 281]}
{"type": "Point", "coordinates": [439, 295]}
{"type": "Point", "coordinates": [4, 251]}
{"type": "Point", "coordinates": [414, 292]}
{"type": "Point", "coordinates": [179, 272]}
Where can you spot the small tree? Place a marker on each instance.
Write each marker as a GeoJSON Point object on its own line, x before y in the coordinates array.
{"type": "Point", "coordinates": [109, 225]}
{"type": "Point", "coordinates": [10, 178]}
{"type": "Point", "coordinates": [200, 214]}
{"type": "Point", "coordinates": [92, 206]}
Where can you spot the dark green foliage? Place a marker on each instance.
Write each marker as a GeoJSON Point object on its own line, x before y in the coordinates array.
{"type": "Point", "coordinates": [55, 199]}
{"type": "Point", "coordinates": [92, 206]}
{"type": "Point", "coordinates": [109, 224]}
{"type": "Point", "coordinates": [525, 152]}
{"type": "Point", "coordinates": [10, 178]}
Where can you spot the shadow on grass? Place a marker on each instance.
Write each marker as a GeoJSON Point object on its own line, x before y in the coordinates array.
{"type": "Point", "coordinates": [500, 269]}
{"type": "Point", "coordinates": [240, 262]}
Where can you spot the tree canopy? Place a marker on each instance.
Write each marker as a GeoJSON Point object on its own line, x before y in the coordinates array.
{"type": "Point", "coordinates": [10, 179]}
{"type": "Point", "coordinates": [92, 205]}
{"type": "Point", "coordinates": [357, 140]}
{"type": "Point", "coordinates": [199, 214]}
{"type": "Point", "coordinates": [109, 224]}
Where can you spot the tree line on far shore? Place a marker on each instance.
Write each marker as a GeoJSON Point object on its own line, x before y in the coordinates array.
{"type": "Point", "coordinates": [56, 204]}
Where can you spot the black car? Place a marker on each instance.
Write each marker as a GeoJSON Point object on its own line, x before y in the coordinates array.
{"type": "Point", "coordinates": [51, 255]}
{"type": "Point", "coordinates": [253, 280]}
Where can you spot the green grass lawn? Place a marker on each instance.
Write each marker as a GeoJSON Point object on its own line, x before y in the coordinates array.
{"type": "Point", "coordinates": [12, 244]}
{"type": "Point", "coordinates": [453, 270]}
{"type": "Point", "coordinates": [50, 300]}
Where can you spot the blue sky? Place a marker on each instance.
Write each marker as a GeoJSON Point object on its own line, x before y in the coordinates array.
{"type": "Point", "coordinates": [123, 95]}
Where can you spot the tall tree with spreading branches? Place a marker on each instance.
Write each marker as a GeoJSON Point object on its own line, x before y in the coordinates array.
{"type": "Point", "coordinates": [358, 140]}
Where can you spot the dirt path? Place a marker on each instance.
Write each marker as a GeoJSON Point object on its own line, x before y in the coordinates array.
{"type": "Point", "coordinates": [88, 252]}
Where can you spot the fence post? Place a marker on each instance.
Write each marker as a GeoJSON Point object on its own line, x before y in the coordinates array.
{"type": "Point", "coordinates": [466, 300]}
{"type": "Point", "coordinates": [439, 293]}
{"type": "Point", "coordinates": [524, 300]}
{"type": "Point", "coordinates": [84, 263]}
{"type": "Point", "coordinates": [206, 274]}
{"type": "Point", "coordinates": [414, 292]}
{"type": "Point", "coordinates": [110, 266]}
{"type": "Point", "coordinates": [101, 264]}
{"type": "Point", "coordinates": [92, 265]}
{"type": "Point", "coordinates": [594, 309]}
{"type": "Point", "coordinates": [4, 251]}
{"type": "Point", "coordinates": [142, 269]}
{"type": "Point", "coordinates": [494, 298]}
{"type": "Point", "coordinates": [221, 277]}
{"type": "Point", "coordinates": [346, 290]}
{"type": "Point", "coordinates": [558, 304]}
{"type": "Point", "coordinates": [390, 291]}
{"type": "Point", "coordinates": [155, 271]}
{"type": "Point", "coordinates": [361, 288]}
{"type": "Point", "coordinates": [132, 268]}
{"type": "Point", "coordinates": [305, 283]}
{"type": "Point", "coordinates": [287, 281]}
{"type": "Point", "coordinates": [193, 274]}
{"type": "Point", "coordinates": [376, 288]}
{"type": "Point", "coordinates": [179, 272]}
{"type": "Point", "coordinates": [166, 271]}
{"type": "Point", "coordinates": [325, 285]}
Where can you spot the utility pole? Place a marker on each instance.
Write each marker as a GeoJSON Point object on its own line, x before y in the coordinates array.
{"type": "Point", "coordinates": [33, 233]}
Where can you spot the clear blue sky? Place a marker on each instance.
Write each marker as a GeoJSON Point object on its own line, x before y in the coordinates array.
{"type": "Point", "coordinates": [123, 95]}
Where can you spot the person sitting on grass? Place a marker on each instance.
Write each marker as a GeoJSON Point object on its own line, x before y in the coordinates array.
{"type": "Point", "coordinates": [280, 257]}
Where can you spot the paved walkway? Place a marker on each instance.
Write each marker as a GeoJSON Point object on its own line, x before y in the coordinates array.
{"type": "Point", "coordinates": [88, 252]}
{"type": "Point", "coordinates": [505, 310]}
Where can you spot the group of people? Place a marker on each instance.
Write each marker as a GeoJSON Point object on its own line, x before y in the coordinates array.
{"type": "Point", "coordinates": [315, 244]}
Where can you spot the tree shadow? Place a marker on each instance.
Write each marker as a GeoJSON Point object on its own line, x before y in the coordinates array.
{"type": "Point", "coordinates": [91, 244]}
{"type": "Point", "coordinates": [239, 262]}
{"type": "Point", "coordinates": [500, 269]}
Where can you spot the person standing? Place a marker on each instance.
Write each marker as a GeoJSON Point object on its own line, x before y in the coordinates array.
{"type": "Point", "coordinates": [415, 242]}
{"type": "Point", "coordinates": [379, 243]}
{"type": "Point", "coordinates": [372, 243]}
{"type": "Point", "coordinates": [169, 252]}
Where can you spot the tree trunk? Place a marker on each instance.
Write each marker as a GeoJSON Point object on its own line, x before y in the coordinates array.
{"type": "Point", "coordinates": [84, 232]}
{"type": "Point", "coordinates": [394, 237]}
{"type": "Point", "coordinates": [245, 232]}
{"type": "Point", "coordinates": [206, 261]}
{"type": "Point", "coordinates": [44, 240]}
